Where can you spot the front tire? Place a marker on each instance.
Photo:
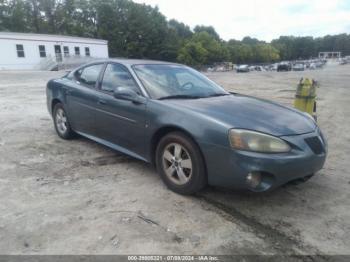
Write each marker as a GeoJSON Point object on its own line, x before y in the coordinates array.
{"type": "Point", "coordinates": [61, 123]}
{"type": "Point", "coordinates": [180, 164]}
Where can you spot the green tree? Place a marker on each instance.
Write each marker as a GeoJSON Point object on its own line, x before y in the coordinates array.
{"type": "Point", "coordinates": [15, 16]}
{"type": "Point", "coordinates": [193, 54]}
{"type": "Point", "coordinates": [209, 29]}
{"type": "Point", "coordinates": [217, 52]}
{"type": "Point", "coordinates": [265, 53]}
{"type": "Point", "coordinates": [174, 39]}
{"type": "Point", "coordinates": [239, 53]}
{"type": "Point", "coordinates": [251, 41]}
{"type": "Point", "coordinates": [182, 31]}
{"type": "Point", "coordinates": [141, 31]}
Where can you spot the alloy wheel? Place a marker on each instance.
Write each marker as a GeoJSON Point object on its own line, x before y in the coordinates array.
{"type": "Point", "coordinates": [61, 121]}
{"type": "Point", "coordinates": [177, 163]}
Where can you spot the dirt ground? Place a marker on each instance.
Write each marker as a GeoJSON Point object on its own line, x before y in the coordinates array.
{"type": "Point", "coordinates": [78, 197]}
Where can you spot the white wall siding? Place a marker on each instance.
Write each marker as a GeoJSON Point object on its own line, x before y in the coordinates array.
{"type": "Point", "coordinates": [31, 60]}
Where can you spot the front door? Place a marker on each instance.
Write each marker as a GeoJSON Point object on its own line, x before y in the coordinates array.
{"type": "Point", "coordinates": [118, 121]}
{"type": "Point", "coordinates": [58, 53]}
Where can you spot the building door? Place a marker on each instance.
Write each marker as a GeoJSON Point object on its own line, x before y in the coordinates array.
{"type": "Point", "coordinates": [58, 53]}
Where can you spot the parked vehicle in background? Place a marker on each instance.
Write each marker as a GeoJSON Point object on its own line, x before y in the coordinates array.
{"type": "Point", "coordinates": [312, 66]}
{"type": "Point", "coordinates": [343, 62]}
{"type": "Point", "coordinates": [283, 67]}
{"type": "Point", "coordinates": [191, 129]}
{"type": "Point", "coordinates": [268, 68]}
{"type": "Point", "coordinates": [259, 68]}
{"type": "Point", "coordinates": [320, 64]}
{"type": "Point", "coordinates": [298, 67]}
{"type": "Point", "coordinates": [242, 69]}
{"type": "Point", "coordinates": [251, 68]}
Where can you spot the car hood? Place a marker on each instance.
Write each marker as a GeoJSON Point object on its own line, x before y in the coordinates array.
{"type": "Point", "coordinates": [238, 111]}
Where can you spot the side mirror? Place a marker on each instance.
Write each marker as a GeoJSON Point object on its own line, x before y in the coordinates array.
{"type": "Point", "coordinates": [127, 94]}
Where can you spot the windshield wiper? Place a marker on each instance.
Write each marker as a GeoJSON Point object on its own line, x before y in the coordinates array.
{"type": "Point", "coordinates": [218, 94]}
{"type": "Point", "coordinates": [180, 97]}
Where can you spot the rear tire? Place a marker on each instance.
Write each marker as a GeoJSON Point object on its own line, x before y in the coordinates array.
{"type": "Point", "coordinates": [180, 164]}
{"type": "Point", "coordinates": [61, 122]}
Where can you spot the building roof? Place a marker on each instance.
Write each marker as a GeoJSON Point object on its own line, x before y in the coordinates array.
{"type": "Point", "coordinates": [50, 38]}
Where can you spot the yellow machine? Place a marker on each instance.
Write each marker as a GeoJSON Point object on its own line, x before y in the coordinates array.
{"type": "Point", "coordinates": [305, 97]}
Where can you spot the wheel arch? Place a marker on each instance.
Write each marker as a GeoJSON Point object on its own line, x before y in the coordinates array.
{"type": "Point", "coordinates": [163, 131]}
{"type": "Point", "coordinates": [54, 102]}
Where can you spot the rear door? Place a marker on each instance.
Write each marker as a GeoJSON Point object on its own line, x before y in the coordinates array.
{"type": "Point", "coordinates": [82, 97]}
{"type": "Point", "coordinates": [118, 121]}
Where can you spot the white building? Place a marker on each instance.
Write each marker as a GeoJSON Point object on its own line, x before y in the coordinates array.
{"type": "Point", "coordinates": [38, 51]}
{"type": "Point", "coordinates": [329, 55]}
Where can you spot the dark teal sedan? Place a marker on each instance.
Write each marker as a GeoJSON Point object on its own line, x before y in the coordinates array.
{"type": "Point", "coordinates": [191, 129]}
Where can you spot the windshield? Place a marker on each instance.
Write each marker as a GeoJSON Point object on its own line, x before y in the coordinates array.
{"type": "Point", "coordinates": [171, 81]}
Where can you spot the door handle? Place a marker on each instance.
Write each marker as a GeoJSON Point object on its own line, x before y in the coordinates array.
{"type": "Point", "coordinates": [101, 102]}
{"type": "Point", "coordinates": [68, 92]}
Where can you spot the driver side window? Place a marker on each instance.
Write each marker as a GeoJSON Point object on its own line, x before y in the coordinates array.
{"type": "Point", "coordinates": [117, 76]}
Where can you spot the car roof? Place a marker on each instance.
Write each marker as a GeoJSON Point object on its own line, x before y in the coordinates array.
{"type": "Point", "coordinates": [132, 62]}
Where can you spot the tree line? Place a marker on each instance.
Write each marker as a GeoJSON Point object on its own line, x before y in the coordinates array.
{"type": "Point", "coordinates": [141, 31]}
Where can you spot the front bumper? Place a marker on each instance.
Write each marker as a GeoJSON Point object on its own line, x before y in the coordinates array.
{"type": "Point", "coordinates": [229, 168]}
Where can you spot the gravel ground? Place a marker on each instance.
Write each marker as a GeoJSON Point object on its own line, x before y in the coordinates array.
{"type": "Point", "coordinates": [78, 197]}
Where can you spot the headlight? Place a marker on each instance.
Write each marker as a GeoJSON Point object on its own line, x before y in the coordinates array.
{"type": "Point", "coordinates": [258, 142]}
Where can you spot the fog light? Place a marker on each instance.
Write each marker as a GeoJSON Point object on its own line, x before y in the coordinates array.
{"type": "Point", "coordinates": [254, 179]}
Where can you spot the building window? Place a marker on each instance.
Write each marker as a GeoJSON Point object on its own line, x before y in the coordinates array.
{"type": "Point", "coordinates": [42, 51]}
{"type": "Point", "coordinates": [77, 50]}
{"type": "Point", "coordinates": [87, 51]}
{"type": "Point", "coordinates": [20, 50]}
{"type": "Point", "coordinates": [66, 51]}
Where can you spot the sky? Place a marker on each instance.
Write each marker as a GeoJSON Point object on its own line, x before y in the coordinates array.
{"type": "Point", "coordinates": [264, 19]}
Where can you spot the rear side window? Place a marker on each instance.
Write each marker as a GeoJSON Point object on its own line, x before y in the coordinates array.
{"type": "Point", "coordinates": [89, 75]}
{"type": "Point", "coordinates": [117, 76]}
